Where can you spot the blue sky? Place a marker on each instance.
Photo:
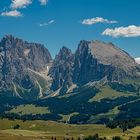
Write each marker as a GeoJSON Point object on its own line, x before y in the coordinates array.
{"type": "Point", "coordinates": [57, 23]}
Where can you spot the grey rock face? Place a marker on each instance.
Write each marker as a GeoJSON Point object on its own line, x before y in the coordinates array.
{"type": "Point", "coordinates": [16, 57]}
{"type": "Point", "coordinates": [32, 55]}
{"type": "Point", "coordinates": [62, 71]}
{"type": "Point", "coordinates": [86, 66]}
{"type": "Point", "coordinates": [94, 60]}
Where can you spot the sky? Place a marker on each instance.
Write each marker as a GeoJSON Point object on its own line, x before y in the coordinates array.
{"type": "Point", "coordinates": [57, 23]}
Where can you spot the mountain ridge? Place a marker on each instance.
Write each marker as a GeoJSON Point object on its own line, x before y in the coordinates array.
{"type": "Point", "coordinates": [27, 63]}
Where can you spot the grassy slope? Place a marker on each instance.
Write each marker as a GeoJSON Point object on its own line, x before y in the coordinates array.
{"type": "Point", "coordinates": [108, 93]}
{"type": "Point", "coordinates": [41, 129]}
{"type": "Point", "coordinates": [65, 118]}
{"type": "Point", "coordinates": [29, 109]}
{"type": "Point", "coordinates": [111, 114]}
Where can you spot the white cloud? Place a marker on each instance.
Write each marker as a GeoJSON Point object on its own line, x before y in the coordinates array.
{"type": "Point", "coordinates": [43, 2]}
{"type": "Point", "coordinates": [137, 60]}
{"type": "Point", "coordinates": [95, 20]}
{"type": "Point", "coordinates": [20, 3]}
{"type": "Point", "coordinates": [130, 31]}
{"type": "Point", "coordinates": [13, 13]}
{"type": "Point", "coordinates": [47, 23]}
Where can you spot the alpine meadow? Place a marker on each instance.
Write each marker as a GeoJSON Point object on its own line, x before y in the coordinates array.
{"type": "Point", "coordinates": [69, 70]}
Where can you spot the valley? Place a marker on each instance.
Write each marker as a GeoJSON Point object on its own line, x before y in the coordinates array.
{"type": "Point", "coordinates": [96, 89]}
{"type": "Point", "coordinates": [37, 130]}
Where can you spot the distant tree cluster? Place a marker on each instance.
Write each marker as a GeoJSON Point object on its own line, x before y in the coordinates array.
{"type": "Point", "coordinates": [123, 124]}
{"type": "Point", "coordinates": [16, 126]}
{"type": "Point", "coordinates": [138, 137]}
{"type": "Point", "coordinates": [13, 116]}
{"type": "Point", "coordinates": [124, 87]}
{"type": "Point", "coordinates": [94, 137]}
{"type": "Point", "coordinates": [97, 137]}
{"type": "Point", "coordinates": [116, 138]}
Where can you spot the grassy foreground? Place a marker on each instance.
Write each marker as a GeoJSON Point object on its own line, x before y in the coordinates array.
{"type": "Point", "coordinates": [37, 130]}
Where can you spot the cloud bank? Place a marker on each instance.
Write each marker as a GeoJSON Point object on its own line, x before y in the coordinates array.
{"type": "Point", "coordinates": [130, 31]}
{"type": "Point", "coordinates": [16, 4]}
{"type": "Point", "coordinates": [137, 60]}
{"type": "Point", "coordinates": [47, 23]}
{"type": "Point", "coordinates": [19, 4]}
{"type": "Point", "coordinates": [13, 13]}
{"type": "Point", "coordinates": [95, 20]}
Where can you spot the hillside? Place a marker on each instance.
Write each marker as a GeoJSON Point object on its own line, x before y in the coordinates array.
{"type": "Point", "coordinates": [95, 84]}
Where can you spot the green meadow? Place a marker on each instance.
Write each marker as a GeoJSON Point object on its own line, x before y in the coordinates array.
{"type": "Point", "coordinates": [37, 130]}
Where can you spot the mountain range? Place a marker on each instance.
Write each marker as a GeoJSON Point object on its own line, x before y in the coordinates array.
{"type": "Point", "coordinates": [95, 80]}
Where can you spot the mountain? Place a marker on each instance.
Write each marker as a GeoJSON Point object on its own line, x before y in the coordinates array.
{"type": "Point", "coordinates": [92, 61]}
{"type": "Point", "coordinates": [23, 64]}
{"type": "Point", "coordinates": [18, 62]}
{"type": "Point", "coordinates": [93, 85]}
{"type": "Point", "coordinates": [95, 59]}
{"type": "Point", "coordinates": [62, 71]}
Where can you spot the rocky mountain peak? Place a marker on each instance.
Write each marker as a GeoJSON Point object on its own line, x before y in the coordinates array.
{"type": "Point", "coordinates": [109, 54]}
{"type": "Point", "coordinates": [25, 52]}
{"type": "Point", "coordinates": [96, 59]}
{"type": "Point", "coordinates": [17, 59]}
{"type": "Point", "coordinates": [64, 53]}
{"type": "Point", "coordinates": [61, 70]}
